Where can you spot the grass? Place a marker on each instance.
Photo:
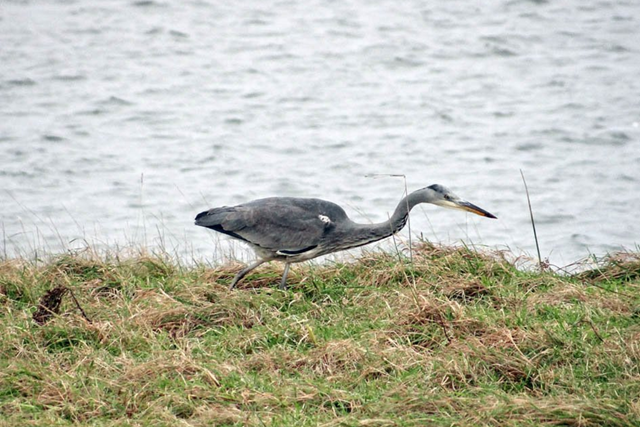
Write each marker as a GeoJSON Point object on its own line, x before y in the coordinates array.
{"type": "Point", "coordinates": [457, 338]}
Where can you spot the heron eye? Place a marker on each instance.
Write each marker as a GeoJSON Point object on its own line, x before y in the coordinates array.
{"type": "Point", "coordinates": [447, 197]}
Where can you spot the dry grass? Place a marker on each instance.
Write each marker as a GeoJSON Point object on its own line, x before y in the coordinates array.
{"type": "Point", "coordinates": [456, 338]}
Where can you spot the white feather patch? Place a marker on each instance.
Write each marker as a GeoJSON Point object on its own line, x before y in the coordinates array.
{"type": "Point", "coordinates": [324, 219]}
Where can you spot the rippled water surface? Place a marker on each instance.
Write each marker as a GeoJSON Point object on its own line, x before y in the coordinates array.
{"type": "Point", "coordinates": [119, 121]}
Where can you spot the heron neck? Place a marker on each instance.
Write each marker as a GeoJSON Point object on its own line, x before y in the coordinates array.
{"type": "Point", "coordinates": [362, 234]}
{"type": "Point", "coordinates": [401, 214]}
{"type": "Point", "coordinates": [394, 224]}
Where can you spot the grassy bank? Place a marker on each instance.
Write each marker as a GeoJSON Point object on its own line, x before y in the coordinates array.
{"type": "Point", "coordinates": [456, 338]}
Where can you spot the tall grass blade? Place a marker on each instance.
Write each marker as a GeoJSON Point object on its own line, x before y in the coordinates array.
{"type": "Point", "coordinates": [533, 223]}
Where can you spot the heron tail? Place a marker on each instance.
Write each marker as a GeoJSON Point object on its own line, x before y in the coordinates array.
{"type": "Point", "coordinates": [213, 217]}
{"type": "Point", "coordinates": [200, 215]}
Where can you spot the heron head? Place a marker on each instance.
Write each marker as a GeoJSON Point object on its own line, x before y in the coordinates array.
{"type": "Point", "coordinates": [442, 196]}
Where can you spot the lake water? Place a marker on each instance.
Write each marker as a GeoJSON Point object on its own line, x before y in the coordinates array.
{"type": "Point", "coordinates": [120, 120]}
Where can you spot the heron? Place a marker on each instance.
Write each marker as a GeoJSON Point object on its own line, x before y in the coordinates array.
{"type": "Point", "coordinates": [292, 229]}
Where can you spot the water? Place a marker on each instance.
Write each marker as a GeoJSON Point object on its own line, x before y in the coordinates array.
{"type": "Point", "coordinates": [119, 121]}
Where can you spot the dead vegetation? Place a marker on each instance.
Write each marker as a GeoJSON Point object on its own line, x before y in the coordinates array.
{"type": "Point", "coordinates": [49, 304]}
{"type": "Point", "coordinates": [454, 338]}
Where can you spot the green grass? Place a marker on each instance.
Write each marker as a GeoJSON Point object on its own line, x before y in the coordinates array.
{"type": "Point", "coordinates": [457, 338]}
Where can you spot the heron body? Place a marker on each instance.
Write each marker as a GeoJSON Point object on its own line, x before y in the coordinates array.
{"type": "Point", "coordinates": [291, 229]}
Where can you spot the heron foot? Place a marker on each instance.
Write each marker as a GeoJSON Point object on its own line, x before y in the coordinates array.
{"type": "Point", "coordinates": [244, 272]}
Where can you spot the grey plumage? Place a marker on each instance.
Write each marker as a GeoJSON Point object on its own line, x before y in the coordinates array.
{"type": "Point", "coordinates": [292, 229]}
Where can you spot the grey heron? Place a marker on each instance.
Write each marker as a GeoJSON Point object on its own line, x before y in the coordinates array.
{"type": "Point", "coordinates": [293, 229]}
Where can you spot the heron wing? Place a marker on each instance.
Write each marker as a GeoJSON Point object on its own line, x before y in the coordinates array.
{"type": "Point", "coordinates": [286, 225]}
{"type": "Point", "coordinates": [280, 224]}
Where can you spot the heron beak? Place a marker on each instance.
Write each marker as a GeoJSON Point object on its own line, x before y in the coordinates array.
{"type": "Point", "coordinates": [470, 207]}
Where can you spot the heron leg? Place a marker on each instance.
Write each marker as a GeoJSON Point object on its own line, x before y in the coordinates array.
{"type": "Point", "coordinates": [283, 283]}
{"type": "Point", "coordinates": [244, 272]}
